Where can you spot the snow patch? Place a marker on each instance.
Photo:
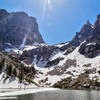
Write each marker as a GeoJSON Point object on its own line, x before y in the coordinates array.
{"type": "Point", "coordinates": [23, 42]}
{"type": "Point", "coordinates": [91, 44]}
{"type": "Point", "coordinates": [8, 44]}
{"type": "Point", "coordinates": [35, 36]}
{"type": "Point", "coordinates": [63, 44]}
{"type": "Point", "coordinates": [29, 47]}
{"type": "Point", "coordinates": [7, 98]}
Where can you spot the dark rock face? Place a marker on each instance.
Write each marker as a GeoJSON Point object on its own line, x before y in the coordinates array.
{"type": "Point", "coordinates": [90, 51]}
{"type": "Point", "coordinates": [54, 62]}
{"type": "Point", "coordinates": [18, 29]}
{"type": "Point", "coordinates": [83, 35]}
{"type": "Point", "coordinates": [93, 49]}
{"type": "Point", "coordinates": [3, 14]}
{"type": "Point", "coordinates": [42, 54]}
{"type": "Point", "coordinates": [60, 70]}
{"type": "Point", "coordinates": [96, 31]}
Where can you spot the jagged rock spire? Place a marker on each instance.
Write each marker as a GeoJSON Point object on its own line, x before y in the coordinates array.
{"type": "Point", "coordinates": [97, 22]}
{"type": "Point", "coordinates": [88, 22]}
{"type": "Point", "coordinates": [3, 14]}
{"type": "Point", "coordinates": [98, 17]}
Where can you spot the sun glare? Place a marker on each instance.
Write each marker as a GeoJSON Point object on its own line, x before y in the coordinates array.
{"type": "Point", "coordinates": [47, 7]}
{"type": "Point", "coordinates": [49, 1]}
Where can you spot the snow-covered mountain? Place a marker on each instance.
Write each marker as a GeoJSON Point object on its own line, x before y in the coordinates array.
{"type": "Point", "coordinates": [77, 59]}
{"type": "Point", "coordinates": [74, 64]}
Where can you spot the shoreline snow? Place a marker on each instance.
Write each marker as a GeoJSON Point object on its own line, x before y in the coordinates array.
{"type": "Point", "coordinates": [26, 91]}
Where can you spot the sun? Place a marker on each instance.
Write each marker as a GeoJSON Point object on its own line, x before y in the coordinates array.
{"type": "Point", "coordinates": [49, 1]}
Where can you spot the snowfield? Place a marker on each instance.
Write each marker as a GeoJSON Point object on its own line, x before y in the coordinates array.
{"type": "Point", "coordinates": [45, 79]}
{"type": "Point", "coordinates": [60, 45]}
{"type": "Point", "coordinates": [75, 71]}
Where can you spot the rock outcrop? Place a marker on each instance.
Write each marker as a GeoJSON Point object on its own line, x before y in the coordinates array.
{"type": "Point", "coordinates": [91, 47]}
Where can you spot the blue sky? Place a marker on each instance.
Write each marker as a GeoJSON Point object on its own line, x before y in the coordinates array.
{"type": "Point", "coordinates": [58, 20]}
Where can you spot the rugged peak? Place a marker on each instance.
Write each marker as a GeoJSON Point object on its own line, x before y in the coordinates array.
{"type": "Point", "coordinates": [86, 28]}
{"type": "Point", "coordinates": [98, 17]}
{"type": "Point", "coordinates": [18, 29]}
{"type": "Point", "coordinates": [84, 33]}
{"type": "Point", "coordinates": [88, 22]}
{"type": "Point", "coordinates": [96, 31]}
{"type": "Point", "coordinates": [91, 48]}
{"type": "Point", "coordinates": [97, 23]}
{"type": "Point", "coordinates": [3, 13]}
{"type": "Point", "coordinates": [19, 13]}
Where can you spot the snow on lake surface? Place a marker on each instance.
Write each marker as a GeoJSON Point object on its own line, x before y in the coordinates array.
{"type": "Point", "coordinates": [57, 95]}
{"type": "Point", "coordinates": [8, 98]}
{"type": "Point", "coordinates": [16, 92]}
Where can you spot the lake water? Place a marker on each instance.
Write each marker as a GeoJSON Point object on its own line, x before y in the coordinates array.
{"type": "Point", "coordinates": [59, 95]}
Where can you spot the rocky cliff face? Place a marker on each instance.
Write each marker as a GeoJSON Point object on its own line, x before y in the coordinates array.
{"type": "Point", "coordinates": [17, 29]}
{"type": "Point", "coordinates": [91, 47]}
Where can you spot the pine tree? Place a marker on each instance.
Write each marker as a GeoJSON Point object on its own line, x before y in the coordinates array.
{"type": "Point", "coordinates": [33, 69]}
{"type": "Point", "coordinates": [3, 62]}
{"type": "Point", "coordinates": [10, 70]}
{"type": "Point", "coordinates": [21, 75]}
{"type": "Point", "coordinates": [0, 67]}
{"type": "Point", "coordinates": [15, 72]}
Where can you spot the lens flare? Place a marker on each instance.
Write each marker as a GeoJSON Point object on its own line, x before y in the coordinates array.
{"type": "Point", "coordinates": [46, 8]}
{"type": "Point", "coordinates": [49, 1]}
